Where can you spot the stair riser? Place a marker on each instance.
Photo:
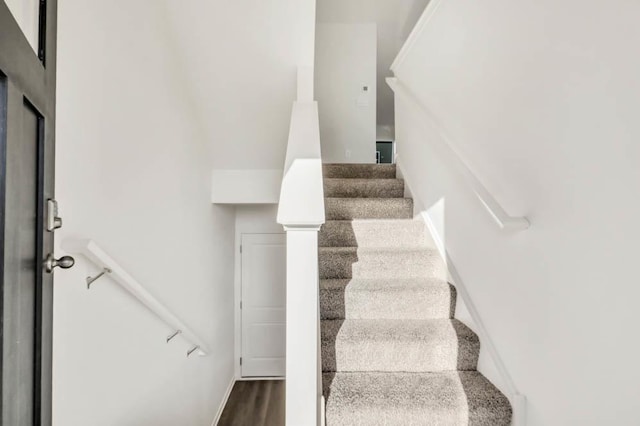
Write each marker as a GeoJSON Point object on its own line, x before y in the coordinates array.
{"type": "Point", "coordinates": [359, 171]}
{"type": "Point", "coordinates": [382, 265]}
{"type": "Point", "coordinates": [408, 356]}
{"type": "Point", "coordinates": [364, 188]}
{"type": "Point", "coordinates": [368, 208]}
{"type": "Point", "coordinates": [372, 234]}
{"type": "Point", "coordinates": [409, 304]}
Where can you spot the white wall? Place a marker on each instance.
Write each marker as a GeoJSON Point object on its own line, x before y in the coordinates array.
{"type": "Point", "coordinates": [345, 63]}
{"type": "Point", "coordinates": [394, 21]}
{"type": "Point", "coordinates": [133, 173]}
{"type": "Point", "coordinates": [542, 101]}
{"type": "Point", "coordinates": [240, 60]}
{"type": "Point", "coordinates": [246, 186]}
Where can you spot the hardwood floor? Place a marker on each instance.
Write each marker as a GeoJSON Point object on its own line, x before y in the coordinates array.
{"type": "Point", "coordinates": [255, 403]}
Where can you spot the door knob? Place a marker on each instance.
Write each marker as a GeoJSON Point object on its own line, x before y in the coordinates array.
{"type": "Point", "coordinates": [65, 262]}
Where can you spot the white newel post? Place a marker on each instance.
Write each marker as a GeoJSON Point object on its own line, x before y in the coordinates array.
{"type": "Point", "coordinates": [301, 213]}
{"type": "Point", "coordinates": [302, 378]}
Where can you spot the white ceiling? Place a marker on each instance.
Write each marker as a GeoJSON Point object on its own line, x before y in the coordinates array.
{"type": "Point", "coordinates": [394, 18]}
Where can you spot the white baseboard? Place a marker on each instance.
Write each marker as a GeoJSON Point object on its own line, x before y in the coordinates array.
{"type": "Point", "coordinates": [518, 401]}
{"type": "Point", "coordinates": [258, 379]}
{"type": "Point", "coordinates": [223, 403]}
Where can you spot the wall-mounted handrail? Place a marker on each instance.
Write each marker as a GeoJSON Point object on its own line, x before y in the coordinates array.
{"type": "Point", "coordinates": [113, 270]}
{"type": "Point", "coordinates": [420, 26]}
{"type": "Point", "coordinates": [498, 214]}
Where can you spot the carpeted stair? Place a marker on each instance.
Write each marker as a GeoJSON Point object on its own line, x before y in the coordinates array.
{"type": "Point", "coordinates": [392, 353]}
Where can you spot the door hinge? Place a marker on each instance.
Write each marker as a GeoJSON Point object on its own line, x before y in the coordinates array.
{"type": "Point", "coordinates": [240, 360]}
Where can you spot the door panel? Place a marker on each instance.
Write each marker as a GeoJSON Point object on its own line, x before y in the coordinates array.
{"type": "Point", "coordinates": [27, 138]}
{"type": "Point", "coordinates": [263, 305]}
{"type": "Point", "coordinates": [21, 263]}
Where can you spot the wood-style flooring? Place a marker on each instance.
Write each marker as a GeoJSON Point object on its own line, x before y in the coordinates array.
{"type": "Point", "coordinates": [255, 403]}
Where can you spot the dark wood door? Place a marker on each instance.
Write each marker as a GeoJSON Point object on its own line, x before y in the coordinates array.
{"type": "Point", "coordinates": [27, 130]}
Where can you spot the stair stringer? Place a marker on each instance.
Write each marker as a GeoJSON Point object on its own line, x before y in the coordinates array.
{"type": "Point", "coordinates": [490, 363]}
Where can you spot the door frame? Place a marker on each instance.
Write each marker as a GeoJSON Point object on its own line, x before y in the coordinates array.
{"type": "Point", "coordinates": [238, 312]}
{"type": "Point", "coordinates": [36, 89]}
{"type": "Point", "coordinates": [393, 149]}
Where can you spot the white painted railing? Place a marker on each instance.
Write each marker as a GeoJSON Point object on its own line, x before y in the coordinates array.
{"type": "Point", "coordinates": [301, 212]}
{"type": "Point", "coordinates": [93, 252]}
{"type": "Point", "coordinates": [498, 214]}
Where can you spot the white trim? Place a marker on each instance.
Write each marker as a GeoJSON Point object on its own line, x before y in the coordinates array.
{"type": "Point", "coordinates": [237, 312]}
{"type": "Point", "coordinates": [237, 298]}
{"type": "Point", "coordinates": [223, 403]}
{"type": "Point", "coordinates": [428, 13]}
{"type": "Point", "coordinates": [437, 239]}
{"type": "Point", "coordinates": [259, 379]}
{"type": "Point", "coordinates": [303, 329]}
{"type": "Point", "coordinates": [498, 214]}
{"type": "Point", "coordinates": [518, 401]}
{"type": "Point", "coordinates": [252, 366]}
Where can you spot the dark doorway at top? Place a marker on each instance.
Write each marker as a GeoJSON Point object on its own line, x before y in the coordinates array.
{"type": "Point", "coordinates": [384, 152]}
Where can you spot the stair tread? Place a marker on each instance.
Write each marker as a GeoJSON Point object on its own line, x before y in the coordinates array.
{"type": "Point", "coordinates": [372, 232]}
{"type": "Point", "coordinates": [368, 208]}
{"type": "Point", "coordinates": [355, 181]}
{"type": "Point", "coordinates": [378, 222]}
{"type": "Point", "coordinates": [380, 262]}
{"type": "Point", "coordinates": [396, 330]}
{"type": "Point", "coordinates": [398, 345]}
{"type": "Point", "coordinates": [357, 170]}
{"type": "Point", "coordinates": [439, 398]}
{"type": "Point", "coordinates": [363, 188]}
{"type": "Point", "coordinates": [367, 250]}
{"type": "Point", "coordinates": [380, 284]}
{"type": "Point", "coordinates": [371, 200]}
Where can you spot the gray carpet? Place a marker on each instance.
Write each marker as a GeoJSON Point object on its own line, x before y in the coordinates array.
{"type": "Point", "coordinates": [392, 354]}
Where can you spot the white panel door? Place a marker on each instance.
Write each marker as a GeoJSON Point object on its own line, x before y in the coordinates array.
{"type": "Point", "coordinates": [263, 305]}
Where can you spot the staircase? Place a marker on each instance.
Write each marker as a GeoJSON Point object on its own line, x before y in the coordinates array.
{"type": "Point", "coordinates": [392, 354]}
